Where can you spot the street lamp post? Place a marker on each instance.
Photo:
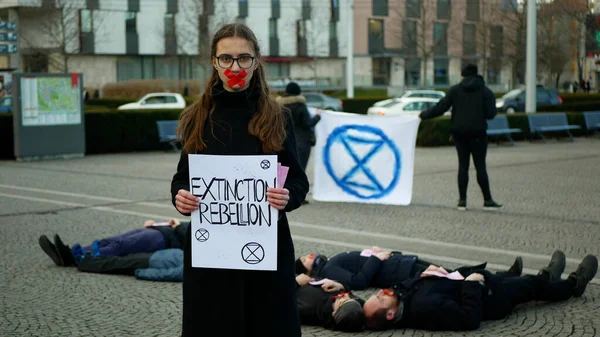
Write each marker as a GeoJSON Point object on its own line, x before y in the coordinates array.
{"type": "Point", "coordinates": [530, 77]}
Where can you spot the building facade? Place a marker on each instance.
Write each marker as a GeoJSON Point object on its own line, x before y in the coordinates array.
{"type": "Point", "coordinates": [112, 41]}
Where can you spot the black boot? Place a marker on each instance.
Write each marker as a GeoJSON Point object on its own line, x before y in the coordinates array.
{"type": "Point", "coordinates": [585, 273]}
{"type": "Point", "coordinates": [517, 268]}
{"type": "Point", "coordinates": [555, 268]}
{"type": "Point", "coordinates": [64, 251]}
{"type": "Point", "coordinates": [50, 250]}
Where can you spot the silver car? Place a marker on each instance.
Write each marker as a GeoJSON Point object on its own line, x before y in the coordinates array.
{"type": "Point", "coordinates": [321, 101]}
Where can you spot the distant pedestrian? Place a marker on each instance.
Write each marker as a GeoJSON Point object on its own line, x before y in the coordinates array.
{"type": "Point", "coordinates": [303, 122]}
{"type": "Point", "coordinates": [472, 103]}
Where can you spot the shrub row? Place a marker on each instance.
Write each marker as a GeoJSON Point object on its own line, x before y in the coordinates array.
{"type": "Point", "coordinates": [128, 131]}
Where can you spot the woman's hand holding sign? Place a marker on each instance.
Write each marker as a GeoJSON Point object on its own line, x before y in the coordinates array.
{"type": "Point", "coordinates": [186, 202]}
{"type": "Point", "coordinates": [278, 197]}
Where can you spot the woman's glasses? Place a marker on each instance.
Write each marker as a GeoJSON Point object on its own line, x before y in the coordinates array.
{"type": "Point", "coordinates": [226, 61]}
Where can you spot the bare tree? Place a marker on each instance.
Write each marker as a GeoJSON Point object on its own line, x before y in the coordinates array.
{"type": "Point", "coordinates": [514, 20]}
{"type": "Point", "coordinates": [557, 40]}
{"type": "Point", "coordinates": [416, 32]}
{"type": "Point", "coordinates": [580, 11]}
{"type": "Point", "coordinates": [63, 30]}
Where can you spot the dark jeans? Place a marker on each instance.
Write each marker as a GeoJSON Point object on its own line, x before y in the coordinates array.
{"type": "Point", "coordinates": [512, 291]}
{"type": "Point", "coordinates": [125, 265]}
{"type": "Point", "coordinates": [468, 145]}
{"type": "Point", "coordinates": [139, 240]}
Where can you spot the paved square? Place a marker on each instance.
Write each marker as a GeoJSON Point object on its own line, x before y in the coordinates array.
{"type": "Point", "coordinates": [550, 191]}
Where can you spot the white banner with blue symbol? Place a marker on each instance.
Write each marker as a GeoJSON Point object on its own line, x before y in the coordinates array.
{"type": "Point", "coordinates": [367, 159]}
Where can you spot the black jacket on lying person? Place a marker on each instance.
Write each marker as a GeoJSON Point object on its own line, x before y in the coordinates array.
{"type": "Point", "coordinates": [358, 272]}
{"type": "Point", "coordinates": [315, 306]}
{"type": "Point", "coordinates": [441, 304]}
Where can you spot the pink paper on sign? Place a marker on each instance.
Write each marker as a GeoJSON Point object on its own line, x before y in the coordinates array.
{"type": "Point", "coordinates": [282, 172]}
{"type": "Point", "coordinates": [452, 276]}
{"type": "Point", "coordinates": [318, 283]}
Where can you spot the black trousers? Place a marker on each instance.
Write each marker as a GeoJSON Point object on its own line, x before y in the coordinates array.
{"type": "Point", "coordinates": [303, 154]}
{"type": "Point", "coordinates": [512, 291]}
{"type": "Point", "coordinates": [125, 265]}
{"type": "Point", "coordinates": [474, 145]}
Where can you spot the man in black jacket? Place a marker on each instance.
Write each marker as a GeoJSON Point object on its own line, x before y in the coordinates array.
{"type": "Point", "coordinates": [442, 304]}
{"type": "Point", "coordinates": [303, 122]}
{"type": "Point", "coordinates": [472, 103]}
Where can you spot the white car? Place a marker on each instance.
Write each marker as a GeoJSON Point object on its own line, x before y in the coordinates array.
{"type": "Point", "coordinates": [156, 100]}
{"type": "Point", "coordinates": [404, 107]}
{"type": "Point", "coordinates": [414, 94]}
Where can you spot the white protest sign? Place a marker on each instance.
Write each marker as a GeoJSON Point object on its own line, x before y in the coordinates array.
{"type": "Point", "coordinates": [366, 159]}
{"type": "Point", "coordinates": [234, 226]}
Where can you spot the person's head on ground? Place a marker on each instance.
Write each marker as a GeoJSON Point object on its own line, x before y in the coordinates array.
{"type": "Point", "coordinates": [304, 264]}
{"type": "Point", "coordinates": [347, 313]}
{"type": "Point", "coordinates": [237, 67]}
{"type": "Point", "coordinates": [470, 70]}
{"type": "Point", "coordinates": [292, 89]}
{"type": "Point", "coordinates": [383, 310]}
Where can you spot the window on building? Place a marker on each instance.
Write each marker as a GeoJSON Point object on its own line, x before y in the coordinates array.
{"type": "Point", "coordinates": [275, 9]}
{"type": "Point", "coordinates": [273, 37]}
{"type": "Point", "coordinates": [306, 9]}
{"type": "Point", "coordinates": [129, 68]}
{"type": "Point", "coordinates": [469, 39]}
{"type": "Point", "coordinates": [473, 10]}
{"type": "Point", "coordinates": [131, 35]}
{"type": "Point", "coordinates": [335, 10]}
{"type": "Point", "coordinates": [35, 63]}
{"type": "Point", "coordinates": [85, 21]}
{"type": "Point", "coordinates": [444, 8]}
{"type": "Point", "coordinates": [497, 39]}
{"type": "Point", "coordinates": [92, 4]}
{"type": "Point", "coordinates": [494, 71]}
{"type": "Point", "coordinates": [381, 71]}
{"type": "Point", "coordinates": [166, 67]}
{"type": "Point", "coordinates": [277, 69]}
{"type": "Point", "coordinates": [440, 71]}
{"type": "Point", "coordinates": [380, 7]}
{"type": "Point", "coordinates": [170, 34]}
{"type": "Point", "coordinates": [376, 39]}
{"type": "Point", "coordinates": [440, 39]}
{"type": "Point", "coordinates": [413, 8]}
{"type": "Point", "coordinates": [133, 5]}
{"type": "Point", "coordinates": [509, 5]}
{"type": "Point", "coordinates": [333, 39]}
{"type": "Point", "coordinates": [208, 7]}
{"type": "Point", "coordinates": [412, 72]}
{"type": "Point", "coordinates": [172, 6]}
{"type": "Point", "coordinates": [242, 8]}
{"type": "Point", "coordinates": [409, 37]}
{"type": "Point", "coordinates": [301, 41]}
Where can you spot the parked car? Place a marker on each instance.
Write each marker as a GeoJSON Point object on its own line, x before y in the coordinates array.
{"type": "Point", "coordinates": [6, 104]}
{"type": "Point", "coordinates": [157, 100]}
{"type": "Point", "coordinates": [414, 94]}
{"type": "Point", "coordinates": [405, 106]}
{"type": "Point", "coordinates": [322, 101]}
{"type": "Point", "coordinates": [514, 100]}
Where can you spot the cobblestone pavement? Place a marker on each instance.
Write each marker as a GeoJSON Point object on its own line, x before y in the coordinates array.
{"type": "Point", "coordinates": [550, 192]}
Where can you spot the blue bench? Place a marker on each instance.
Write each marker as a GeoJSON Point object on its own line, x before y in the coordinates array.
{"type": "Point", "coordinates": [592, 120]}
{"type": "Point", "coordinates": [167, 132]}
{"type": "Point", "coordinates": [499, 127]}
{"type": "Point", "coordinates": [550, 122]}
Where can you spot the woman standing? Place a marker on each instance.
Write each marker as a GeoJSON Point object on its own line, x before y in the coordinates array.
{"type": "Point", "coordinates": [236, 116]}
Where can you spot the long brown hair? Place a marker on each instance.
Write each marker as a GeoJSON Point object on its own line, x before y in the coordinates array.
{"type": "Point", "coordinates": [268, 124]}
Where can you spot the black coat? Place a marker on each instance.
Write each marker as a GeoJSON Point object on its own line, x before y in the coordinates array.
{"type": "Point", "coordinates": [359, 272]}
{"type": "Point", "coordinates": [303, 123]}
{"type": "Point", "coordinates": [240, 303]}
{"type": "Point", "coordinates": [472, 104]}
{"type": "Point", "coordinates": [432, 303]}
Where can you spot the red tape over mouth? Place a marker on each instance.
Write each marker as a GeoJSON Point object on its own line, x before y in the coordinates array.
{"type": "Point", "coordinates": [236, 79]}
